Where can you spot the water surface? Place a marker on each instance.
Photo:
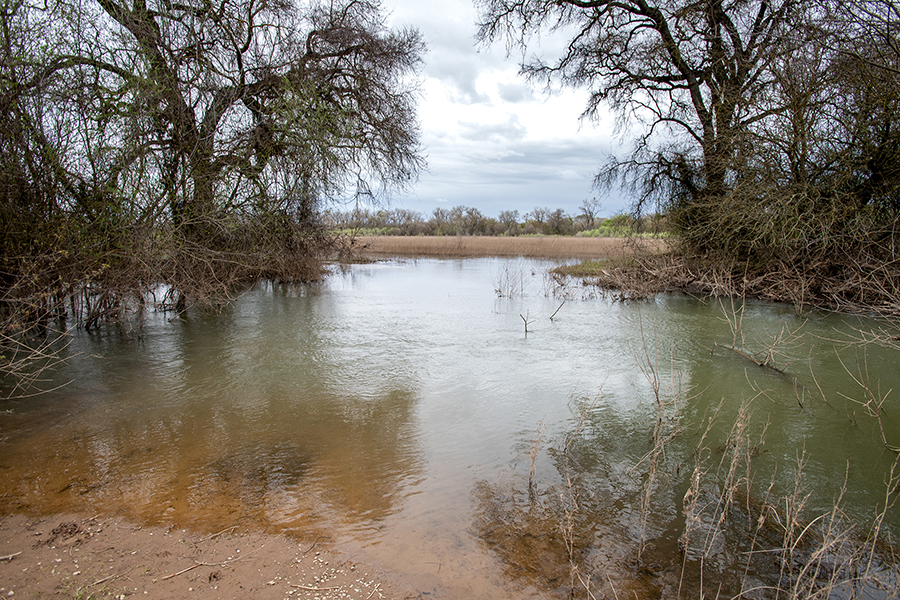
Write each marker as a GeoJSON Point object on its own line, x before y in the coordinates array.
{"type": "Point", "coordinates": [399, 409]}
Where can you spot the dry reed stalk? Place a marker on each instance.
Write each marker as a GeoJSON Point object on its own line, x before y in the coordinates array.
{"type": "Point", "coordinates": [816, 558]}
{"type": "Point", "coordinates": [482, 246]}
{"type": "Point", "coordinates": [510, 280]}
{"type": "Point", "coordinates": [535, 450]}
{"type": "Point", "coordinates": [569, 497]}
{"type": "Point", "coordinates": [874, 398]}
{"type": "Point", "coordinates": [665, 430]}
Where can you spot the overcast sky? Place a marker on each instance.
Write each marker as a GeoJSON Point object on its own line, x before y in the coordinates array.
{"type": "Point", "coordinates": [492, 140]}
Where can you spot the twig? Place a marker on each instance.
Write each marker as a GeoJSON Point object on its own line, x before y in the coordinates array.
{"type": "Point", "coordinates": [535, 449]}
{"type": "Point", "coordinates": [612, 587]}
{"type": "Point", "coordinates": [372, 593]}
{"type": "Point", "coordinates": [9, 557]}
{"type": "Point", "coordinates": [203, 564]}
{"type": "Point", "coordinates": [525, 319]}
{"type": "Point", "coordinates": [113, 576]}
{"type": "Point", "coordinates": [215, 535]}
{"type": "Point", "coordinates": [314, 589]}
{"type": "Point", "coordinates": [183, 571]}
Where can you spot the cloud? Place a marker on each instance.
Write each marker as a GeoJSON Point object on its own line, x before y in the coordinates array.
{"type": "Point", "coordinates": [461, 76]}
{"type": "Point", "coordinates": [515, 93]}
{"type": "Point", "coordinates": [510, 131]}
{"type": "Point", "coordinates": [493, 141]}
{"type": "Point", "coordinates": [448, 29]}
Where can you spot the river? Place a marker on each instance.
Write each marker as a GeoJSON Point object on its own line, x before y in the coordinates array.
{"type": "Point", "coordinates": [401, 411]}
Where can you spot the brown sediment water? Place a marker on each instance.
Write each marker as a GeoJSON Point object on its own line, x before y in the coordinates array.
{"type": "Point", "coordinates": [392, 412]}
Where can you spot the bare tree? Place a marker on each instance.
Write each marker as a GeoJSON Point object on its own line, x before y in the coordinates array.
{"type": "Point", "coordinates": [559, 223]}
{"type": "Point", "coordinates": [866, 72]}
{"type": "Point", "coordinates": [588, 212]}
{"type": "Point", "coordinates": [203, 116]}
{"type": "Point", "coordinates": [698, 75]}
{"type": "Point", "coordinates": [538, 217]}
{"type": "Point", "coordinates": [243, 102]}
{"type": "Point", "coordinates": [509, 219]}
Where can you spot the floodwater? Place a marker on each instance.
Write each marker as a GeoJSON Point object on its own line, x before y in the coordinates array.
{"type": "Point", "coordinates": [401, 411]}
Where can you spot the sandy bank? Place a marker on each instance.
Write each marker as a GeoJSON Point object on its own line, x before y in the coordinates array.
{"type": "Point", "coordinates": [105, 557]}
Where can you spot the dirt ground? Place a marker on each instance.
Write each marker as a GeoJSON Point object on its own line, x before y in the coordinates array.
{"type": "Point", "coordinates": [85, 558]}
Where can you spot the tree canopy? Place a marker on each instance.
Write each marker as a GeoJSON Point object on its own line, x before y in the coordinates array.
{"type": "Point", "coordinates": [203, 117]}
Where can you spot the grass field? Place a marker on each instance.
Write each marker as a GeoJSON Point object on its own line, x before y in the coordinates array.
{"type": "Point", "coordinates": [478, 246]}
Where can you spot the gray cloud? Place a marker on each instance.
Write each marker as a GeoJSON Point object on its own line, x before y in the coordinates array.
{"type": "Point", "coordinates": [511, 131]}
{"type": "Point", "coordinates": [460, 73]}
{"type": "Point", "coordinates": [518, 176]}
{"type": "Point", "coordinates": [515, 93]}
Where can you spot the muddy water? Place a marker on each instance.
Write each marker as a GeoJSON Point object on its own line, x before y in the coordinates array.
{"type": "Point", "coordinates": [400, 411]}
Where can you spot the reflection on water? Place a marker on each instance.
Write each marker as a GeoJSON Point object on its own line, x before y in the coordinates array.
{"type": "Point", "coordinates": [396, 409]}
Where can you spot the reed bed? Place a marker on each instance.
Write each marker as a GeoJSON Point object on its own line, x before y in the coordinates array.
{"type": "Point", "coordinates": [482, 246]}
{"type": "Point", "coordinates": [850, 288]}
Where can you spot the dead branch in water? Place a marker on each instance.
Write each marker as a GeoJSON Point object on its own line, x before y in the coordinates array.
{"type": "Point", "coordinates": [557, 310]}
{"type": "Point", "coordinates": [526, 321]}
{"type": "Point", "coordinates": [763, 364]}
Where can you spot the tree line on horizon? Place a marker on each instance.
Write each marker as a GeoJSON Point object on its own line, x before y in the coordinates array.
{"type": "Point", "coordinates": [468, 221]}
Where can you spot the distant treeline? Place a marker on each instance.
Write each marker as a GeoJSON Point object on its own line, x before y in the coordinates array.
{"type": "Point", "coordinates": [465, 220]}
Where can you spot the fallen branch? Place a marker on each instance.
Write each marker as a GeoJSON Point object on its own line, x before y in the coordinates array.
{"type": "Point", "coordinates": [9, 557]}
{"type": "Point", "coordinates": [218, 564]}
{"type": "Point", "coordinates": [758, 363]}
{"type": "Point", "coordinates": [377, 585]}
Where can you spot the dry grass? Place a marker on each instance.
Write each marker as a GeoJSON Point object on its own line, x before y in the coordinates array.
{"type": "Point", "coordinates": [480, 246]}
